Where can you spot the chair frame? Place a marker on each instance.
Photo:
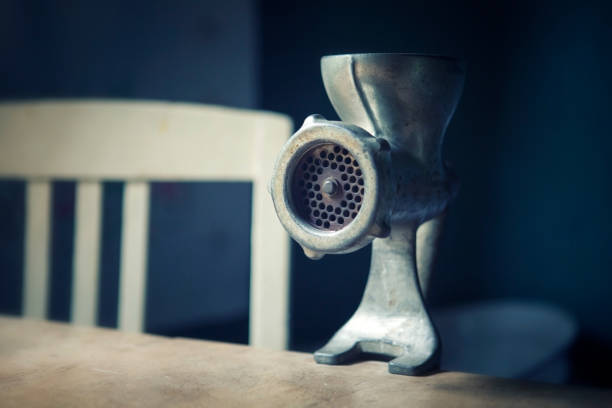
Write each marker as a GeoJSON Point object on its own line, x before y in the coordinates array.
{"type": "Point", "coordinates": [137, 142]}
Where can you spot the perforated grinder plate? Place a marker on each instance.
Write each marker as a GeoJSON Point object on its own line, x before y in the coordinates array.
{"type": "Point", "coordinates": [327, 187]}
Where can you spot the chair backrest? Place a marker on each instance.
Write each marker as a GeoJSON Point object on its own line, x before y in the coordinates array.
{"type": "Point", "coordinates": [92, 141]}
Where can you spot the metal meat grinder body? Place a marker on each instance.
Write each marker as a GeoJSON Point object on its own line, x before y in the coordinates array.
{"type": "Point", "coordinates": [376, 176]}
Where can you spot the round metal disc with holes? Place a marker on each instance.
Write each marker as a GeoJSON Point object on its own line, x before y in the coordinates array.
{"type": "Point", "coordinates": [327, 187]}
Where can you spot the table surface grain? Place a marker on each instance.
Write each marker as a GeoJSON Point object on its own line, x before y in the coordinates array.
{"type": "Point", "coordinates": [48, 364]}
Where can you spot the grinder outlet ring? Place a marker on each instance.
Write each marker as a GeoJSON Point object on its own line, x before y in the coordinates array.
{"type": "Point", "coordinates": [366, 156]}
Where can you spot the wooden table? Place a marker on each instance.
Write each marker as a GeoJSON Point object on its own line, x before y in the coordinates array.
{"type": "Point", "coordinates": [55, 365]}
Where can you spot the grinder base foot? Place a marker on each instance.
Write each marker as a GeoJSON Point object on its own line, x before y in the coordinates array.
{"type": "Point", "coordinates": [412, 355]}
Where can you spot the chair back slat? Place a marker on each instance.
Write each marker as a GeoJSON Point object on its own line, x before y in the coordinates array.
{"type": "Point", "coordinates": [36, 254]}
{"type": "Point", "coordinates": [133, 267]}
{"type": "Point", "coordinates": [86, 257]}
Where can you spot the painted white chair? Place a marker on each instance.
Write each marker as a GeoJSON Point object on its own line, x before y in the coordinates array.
{"type": "Point", "coordinates": [92, 141]}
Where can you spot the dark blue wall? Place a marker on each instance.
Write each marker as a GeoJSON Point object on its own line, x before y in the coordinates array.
{"type": "Point", "coordinates": [187, 51]}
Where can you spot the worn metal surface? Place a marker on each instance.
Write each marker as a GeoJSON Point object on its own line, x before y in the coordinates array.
{"type": "Point", "coordinates": [394, 109]}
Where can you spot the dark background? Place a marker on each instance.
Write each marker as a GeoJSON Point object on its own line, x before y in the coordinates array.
{"type": "Point", "coordinates": [530, 140]}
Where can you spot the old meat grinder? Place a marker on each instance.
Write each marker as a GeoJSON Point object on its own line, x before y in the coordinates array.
{"type": "Point", "coordinates": [376, 176]}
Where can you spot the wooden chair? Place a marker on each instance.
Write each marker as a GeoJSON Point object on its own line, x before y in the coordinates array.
{"type": "Point", "coordinates": [92, 141]}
